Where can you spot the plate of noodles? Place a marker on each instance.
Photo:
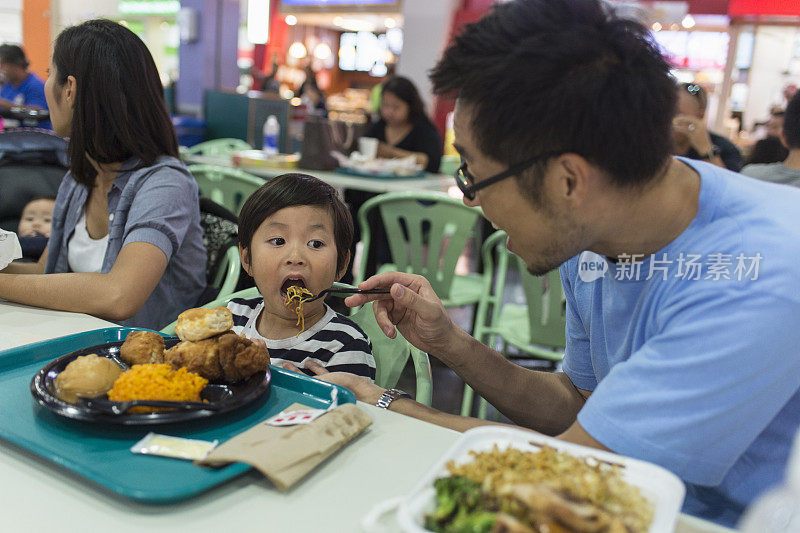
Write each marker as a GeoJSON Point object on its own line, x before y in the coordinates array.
{"type": "Point", "coordinates": [505, 479]}
{"type": "Point", "coordinates": [141, 381]}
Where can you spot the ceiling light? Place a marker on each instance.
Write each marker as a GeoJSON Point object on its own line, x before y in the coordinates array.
{"type": "Point", "coordinates": [688, 22]}
{"type": "Point", "coordinates": [298, 50]}
{"type": "Point", "coordinates": [656, 26]}
{"type": "Point", "coordinates": [322, 51]}
{"type": "Point", "coordinates": [291, 20]}
{"type": "Point", "coordinates": [390, 23]}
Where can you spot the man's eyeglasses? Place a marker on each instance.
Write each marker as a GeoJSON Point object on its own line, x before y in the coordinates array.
{"type": "Point", "coordinates": [466, 181]}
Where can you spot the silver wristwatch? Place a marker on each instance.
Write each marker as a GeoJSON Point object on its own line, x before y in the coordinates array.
{"type": "Point", "coordinates": [389, 396]}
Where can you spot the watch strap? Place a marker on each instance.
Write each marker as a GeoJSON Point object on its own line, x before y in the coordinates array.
{"type": "Point", "coordinates": [389, 396]}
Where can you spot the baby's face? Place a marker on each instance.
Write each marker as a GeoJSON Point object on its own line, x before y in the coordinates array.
{"type": "Point", "coordinates": [36, 218]}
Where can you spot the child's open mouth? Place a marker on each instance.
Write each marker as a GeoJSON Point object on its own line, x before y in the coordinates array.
{"type": "Point", "coordinates": [292, 281]}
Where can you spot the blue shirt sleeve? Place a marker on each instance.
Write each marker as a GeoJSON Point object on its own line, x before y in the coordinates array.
{"type": "Point", "coordinates": [34, 95]}
{"type": "Point", "coordinates": [697, 394]}
{"type": "Point", "coordinates": [161, 211]}
{"type": "Point", "coordinates": [577, 362]}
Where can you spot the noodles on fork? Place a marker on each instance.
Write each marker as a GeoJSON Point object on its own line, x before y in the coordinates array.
{"type": "Point", "coordinates": [296, 295]}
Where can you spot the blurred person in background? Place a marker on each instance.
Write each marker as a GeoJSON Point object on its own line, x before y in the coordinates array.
{"type": "Point", "coordinates": [788, 171]}
{"type": "Point", "coordinates": [311, 95]}
{"type": "Point", "coordinates": [20, 87]}
{"type": "Point", "coordinates": [692, 138]}
{"type": "Point", "coordinates": [403, 130]}
{"type": "Point", "coordinates": [126, 243]}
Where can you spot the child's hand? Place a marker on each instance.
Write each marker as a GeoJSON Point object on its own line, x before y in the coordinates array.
{"type": "Point", "coordinates": [364, 389]}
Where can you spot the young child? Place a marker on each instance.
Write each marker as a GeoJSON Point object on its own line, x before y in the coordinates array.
{"type": "Point", "coordinates": [34, 227]}
{"type": "Point", "coordinates": [294, 230]}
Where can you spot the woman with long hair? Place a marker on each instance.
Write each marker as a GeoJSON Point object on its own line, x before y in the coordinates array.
{"type": "Point", "coordinates": [404, 128]}
{"type": "Point", "coordinates": [126, 243]}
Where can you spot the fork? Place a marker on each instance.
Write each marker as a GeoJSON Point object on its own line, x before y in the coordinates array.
{"type": "Point", "coordinates": [119, 408]}
{"type": "Point", "coordinates": [347, 291]}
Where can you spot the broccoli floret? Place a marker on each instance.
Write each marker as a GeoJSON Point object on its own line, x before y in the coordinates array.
{"type": "Point", "coordinates": [458, 502]}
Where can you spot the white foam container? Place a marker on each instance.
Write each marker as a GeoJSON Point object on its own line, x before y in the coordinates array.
{"type": "Point", "coordinates": [658, 485]}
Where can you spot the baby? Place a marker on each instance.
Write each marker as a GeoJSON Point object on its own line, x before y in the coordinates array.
{"type": "Point", "coordinates": [295, 231]}
{"type": "Point", "coordinates": [34, 227]}
{"type": "Point", "coordinates": [36, 216]}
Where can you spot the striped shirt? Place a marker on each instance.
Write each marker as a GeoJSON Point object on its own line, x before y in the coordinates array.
{"type": "Point", "coordinates": [335, 342]}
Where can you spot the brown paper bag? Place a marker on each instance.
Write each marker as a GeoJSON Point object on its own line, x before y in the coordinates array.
{"type": "Point", "coordinates": [286, 454]}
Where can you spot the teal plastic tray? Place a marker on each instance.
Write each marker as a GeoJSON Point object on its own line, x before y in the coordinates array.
{"type": "Point", "coordinates": [101, 454]}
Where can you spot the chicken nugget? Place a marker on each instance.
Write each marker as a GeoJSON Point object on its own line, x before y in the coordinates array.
{"type": "Point", "coordinates": [142, 347]}
{"type": "Point", "coordinates": [201, 357]}
{"type": "Point", "coordinates": [201, 323]}
{"type": "Point", "coordinates": [240, 357]}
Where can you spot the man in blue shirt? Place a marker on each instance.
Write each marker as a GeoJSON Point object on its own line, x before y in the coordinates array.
{"type": "Point", "coordinates": [680, 277]}
{"type": "Point", "coordinates": [21, 88]}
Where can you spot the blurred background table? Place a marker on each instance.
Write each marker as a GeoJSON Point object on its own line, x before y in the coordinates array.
{"type": "Point", "coordinates": [431, 182]}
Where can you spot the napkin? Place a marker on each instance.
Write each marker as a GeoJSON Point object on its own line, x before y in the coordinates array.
{"type": "Point", "coordinates": [286, 454]}
{"type": "Point", "coordinates": [9, 248]}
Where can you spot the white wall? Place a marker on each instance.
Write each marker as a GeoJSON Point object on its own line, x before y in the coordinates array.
{"type": "Point", "coordinates": [770, 71]}
{"type": "Point", "coordinates": [11, 21]}
{"type": "Point", "coordinates": [426, 30]}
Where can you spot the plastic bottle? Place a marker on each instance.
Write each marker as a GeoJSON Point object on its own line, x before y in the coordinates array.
{"type": "Point", "coordinates": [777, 510]}
{"type": "Point", "coordinates": [272, 130]}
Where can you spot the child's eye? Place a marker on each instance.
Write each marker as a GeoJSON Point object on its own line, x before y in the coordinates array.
{"type": "Point", "coordinates": [277, 241]}
{"type": "Point", "coordinates": [316, 244]}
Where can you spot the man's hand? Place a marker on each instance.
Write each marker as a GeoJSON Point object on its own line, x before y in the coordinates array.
{"type": "Point", "coordinates": [364, 389]}
{"type": "Point", "coordinates": [413, 307]}
{"type": "Point", "coordinates": [694, 129]}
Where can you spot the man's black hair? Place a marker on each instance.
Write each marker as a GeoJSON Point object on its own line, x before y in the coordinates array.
{"type": "Point", "coordinates": [13, 54]}
{"type": "Point", "coordinates": [564, 76]}
{"type": "Point", "coordinates": [119, 109]}
{"type": "Point", "coordinates": [791, 122]}
{"type": "Point", "coordinates": [288, 190]}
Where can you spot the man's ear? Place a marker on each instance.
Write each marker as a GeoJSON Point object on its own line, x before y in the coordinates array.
{"type": "Point", "coordinates": [782, 137]}
{"type": "Point", "coordinates": [244, 256]}
{"type": "Point", "coordinates": [573, 174]}
{"type": "Point", "coordinates": [341, 272]}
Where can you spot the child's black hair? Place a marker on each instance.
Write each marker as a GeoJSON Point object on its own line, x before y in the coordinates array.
{"type": "Point", "coordinates": [294, 189]}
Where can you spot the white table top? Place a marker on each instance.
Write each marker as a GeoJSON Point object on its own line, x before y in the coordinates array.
{"type": "Point", "coordinates": [386, 461]}
{"type": "Point", "coordinates": [21, 324]}
{"type": "Point", "coordinates": [433, 182]}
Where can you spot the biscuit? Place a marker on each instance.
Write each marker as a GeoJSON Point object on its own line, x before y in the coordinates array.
{"type": "Point", "coordinates": [202, 323]}
{"type": "Point", "coordinates": [142, 347]}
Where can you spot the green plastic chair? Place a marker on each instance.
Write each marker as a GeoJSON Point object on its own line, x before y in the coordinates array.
{"type": "Point", "coordinates": [432, 253]}
{"type": "Point", "coordinates": [537, 329]}
{"type": "Point", "coordinates": [229, 187]}
{"type": "Point", "coordinates": [390, 355]}
{"type": "Point", "coordinates": [216, 148]}
{"type": "Point", "coordinates": [227, 276]}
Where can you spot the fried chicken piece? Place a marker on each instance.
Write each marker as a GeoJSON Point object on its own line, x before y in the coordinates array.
{"type": "Point", "coordinates": [240, 357]}
{"type": "Point", "coordinates": [142, 347]}
{"type": "Point", "coordinates": [201, 357]}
